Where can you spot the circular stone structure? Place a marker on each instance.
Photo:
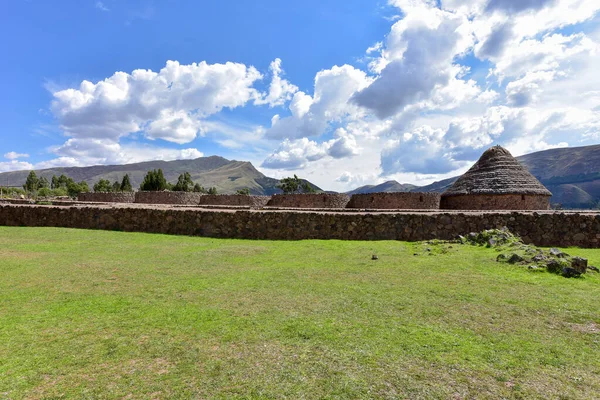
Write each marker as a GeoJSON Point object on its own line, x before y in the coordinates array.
{"type": "Point", "coordinates": [396, 201]}
{"type": "Point", "coordinates": [497, 181]}
{"type": "Point", "coordinates": [309, 200]}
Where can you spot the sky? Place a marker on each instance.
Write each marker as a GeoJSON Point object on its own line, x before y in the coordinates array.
{"type": "Point", "coordinates": [341, 92]}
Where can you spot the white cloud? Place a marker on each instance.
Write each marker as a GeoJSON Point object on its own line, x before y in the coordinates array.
{"type": "Point", "coordinates": [311, 115]}
{"type": "Point", "coordinates": [124, 103]}
{"type": "Point", "coordinates": [293, 154]}
{"type": "Point", "coordinates": [100, 6]}
{"type": "Point", "coordinates": [12, 155]}
{"type": "Point", "coordinates": [14, 165]}
{"type": "Point", "coordinates": [280, 90]}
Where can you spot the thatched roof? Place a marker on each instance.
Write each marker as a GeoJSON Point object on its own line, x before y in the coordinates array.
{"type": "Point", "coordinates": [497, 172]}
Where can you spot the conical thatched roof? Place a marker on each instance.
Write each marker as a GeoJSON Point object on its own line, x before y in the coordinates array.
{"type": "Point", "coordinates": [497, 172]}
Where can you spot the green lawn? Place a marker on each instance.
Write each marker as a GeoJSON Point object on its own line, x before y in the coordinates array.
{"type": "Point", "coordinates": [95, 314]}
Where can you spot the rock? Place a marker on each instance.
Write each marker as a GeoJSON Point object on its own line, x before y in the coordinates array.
{"type": "Point", "coordinates": [539, 258]}
{"type": "Point", "coordinates": [374, 257]}
{"type": "Point", "coordinates": [555, 266]}
{"type": "Point", "coordinates": [557, 253]}
{"type": "Point", "coordinates": [491, 242]}
{"type": "Point", "coordinates": [515, 258]}
{"type": "Point", "coordinates": [534, 268]}
{"type": "Point", "coordinates": [428, 249]}
{"type": "Point", "coordinates": [501, 257]}
{"type": "Point", "coordinates": [579, 264]}
{"type": "Point", "coordinates": [593, 268]}
{"type": "Point", "coordinates": [569, 272]}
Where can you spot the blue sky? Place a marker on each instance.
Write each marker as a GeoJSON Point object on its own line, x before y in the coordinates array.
{"type": "Point", "coordinates": [341, 92]}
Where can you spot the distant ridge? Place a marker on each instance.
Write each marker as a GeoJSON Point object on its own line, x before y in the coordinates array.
{"type": "Point", "coordinates": [388, 187]}
{"type": "Point", "coordinates": [227, 176]}
{"type": "Point", "coordinates": [572, 174]}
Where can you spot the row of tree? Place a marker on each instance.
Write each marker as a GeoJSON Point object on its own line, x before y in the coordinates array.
{"type": "Point", "coordinates": [156, 181]}
{"type": "Point", "coordinates": [153, 181]}
{"type": "Point", "coordinates": [104, 185]}
{"type": "Point", "coordinates": [59, 186]}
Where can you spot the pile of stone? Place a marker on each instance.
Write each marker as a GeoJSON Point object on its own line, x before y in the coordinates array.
{"type": "Point", "coordinates": [514, 251]}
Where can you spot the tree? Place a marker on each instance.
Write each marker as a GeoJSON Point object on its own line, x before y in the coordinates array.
{"type": "Point", "coordinates": [126, 184]}
{"type": "Point", "coordinates": [184, 183]}
{"type": "Point", "coordinates": [307, 188]}
{"type": "Point", "coordinates": [199, 188]}
{"type": "Point", "coordinates": [116, 186]}
{"type": "Point", "coordinates": [55, 184]}
{"type": "Point", "coordinates": [295, 185]}
{"type": "Point", "coordinates": [103, 185]}
{"type": "Point", "coordinates": [73, 188]}
{"type": "Point", "coordinates": [154, 181]}
{"type": "Point", "coordinates": [32, 182]}
{"type": "Point", "coordinates": [43, 183]}
{"type": "Point", "coordinates": [44, 192]}
{"type": "Point", "coordinates": [212, 190]}
{"type": "Point", "coordinates": [244, 192]}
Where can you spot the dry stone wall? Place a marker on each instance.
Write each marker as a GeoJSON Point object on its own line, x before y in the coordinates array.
{"type": "Point", "coordinates": [234, 200]}
{"type": "Point", "coordinates": [396, 201]}
{"type": "Point", "coordinates": [309, 200]}
{"type": "Point", "coordinates": [496, 202]}
{"type": "Point", "coordinates": [542, 229]}
{"type": "Point", "coordinates": [122, 197]}
{"type": "Point", "coordinates": [167, 197]}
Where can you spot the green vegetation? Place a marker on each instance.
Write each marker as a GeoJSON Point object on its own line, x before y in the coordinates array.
{"type": "Point", "coordinates": [59, 186]}
{"type": "Point", "coordinates": [154, 181]}
{"type": "Point", "coordinates": [83, 315]}
{"type": "Point", "coordinates": [295, 185]}
{"type": "Point", "coordinates": [104, 185]}
{"type": "Point", "coordinates": [126, 184]}
{"type": "Point", "coordinates": [184, 183]}
{"type": "Point", "coordinates": [243, 192]}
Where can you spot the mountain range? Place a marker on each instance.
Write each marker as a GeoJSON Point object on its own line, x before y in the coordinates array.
{"type": "Point", "coordinates": [572, 174]}
{"type": "Point", "coordinates": [227, 176]}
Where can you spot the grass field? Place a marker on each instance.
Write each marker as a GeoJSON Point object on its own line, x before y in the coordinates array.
{"type": "Point", "coordinates": [94, 314]}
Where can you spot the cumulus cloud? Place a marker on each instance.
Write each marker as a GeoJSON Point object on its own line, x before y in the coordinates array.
{"type": "Point", "coordinates": [293, 154]}
{"type": "Point", "coordinates": [311, 115]}
{"type": "Point", "coordinates": [280, 90]}
{"type": "Point", "coordinates": [14, 165]}
{"type": "Point", "coordinates": [12, 155]}
{"type": "Point", "coordinates": [124, 103]}
{"type": "Point", "coordinates": [418, 58]}
{"type": "Point", "coordinates": [75, 152]}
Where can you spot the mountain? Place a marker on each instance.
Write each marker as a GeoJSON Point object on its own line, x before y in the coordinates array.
{"type": "Point", "coordinates": [572, 174]}
{"type": "Point", "coordinates": [226, 175]}
{"type": "Point", "coordinates": [388, 187]}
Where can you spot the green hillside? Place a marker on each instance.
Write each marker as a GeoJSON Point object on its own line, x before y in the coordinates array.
{"type": "Point", "coordinates": [227, 176]}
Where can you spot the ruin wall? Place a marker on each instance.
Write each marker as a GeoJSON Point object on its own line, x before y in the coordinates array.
{"type": "Point", "coordinates": [167, 197]}
{"type": "Point", "coordinates": [495, 202]}
{"type": "Point", "coordinates": [119, 197]}
{"type": "Point", "coordinates": [309, 200]}
{"type": "Point", "coordinates": [234, 200]}
{"type": "Point", "coordinates": [395, 201]}
{"type": "Point", "coordinates": [544, 229]}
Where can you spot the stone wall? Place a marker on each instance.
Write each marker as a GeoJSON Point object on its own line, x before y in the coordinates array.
{"type": "Point", "coordinates": [495, 202]}
{"type": "Point", "coordinates": [167, 197]}
{"type": "Point", "coordinates": [395, 201]}
{"type": "Point", "coordinates": [543, 229]}
{"type": "Point", "coordinates": [234, 200]}
{"type": "Point", "coordinates": [309, 200]}
{"type": "Point", "coordinates": [123, 197]}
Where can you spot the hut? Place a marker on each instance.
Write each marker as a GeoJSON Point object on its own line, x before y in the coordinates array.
{"type": "Point", "coordinates": [497, 181]}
